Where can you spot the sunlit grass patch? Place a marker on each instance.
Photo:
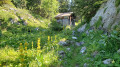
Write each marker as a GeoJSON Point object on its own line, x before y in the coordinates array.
{"type": "Point", "coordinates": [8, 55]}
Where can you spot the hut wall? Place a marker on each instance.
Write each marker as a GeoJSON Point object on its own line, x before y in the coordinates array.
{"type": "Point", "coordinates": [65, 22]}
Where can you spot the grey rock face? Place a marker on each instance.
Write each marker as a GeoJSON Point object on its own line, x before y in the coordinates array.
{"type": "Point", "coordinates": [82, 29]}
{"type": "Point", "coordinates": [107, 61]}
{"type": "Point", "coordinates": [108, 12]}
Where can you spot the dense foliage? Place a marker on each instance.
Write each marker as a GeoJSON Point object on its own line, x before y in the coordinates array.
{"type": "Point", "coordinates": [30, 37]}
{"type": "Point", "coordinates": [55, 26]}
{"type": "Point", "coordinates": [5, 2]}
{"type": "Point", "coordinates": [64, 6]}
{"type": "Point", "coordinates": [46, 8]}
{"type": "Point", "coordinates": [86, 8]}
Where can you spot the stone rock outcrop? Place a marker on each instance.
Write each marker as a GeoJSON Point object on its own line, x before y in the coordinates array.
{"type": "Point", "coordinates": [82, 29]}
{"type": "Point", "coordinates": [83, 49]}
{"type": "Point", "coordinates": [107, 61]}
{"type": "Point", "coordinates": [109, 13]}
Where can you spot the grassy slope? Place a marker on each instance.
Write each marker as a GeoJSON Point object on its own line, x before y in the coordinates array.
{"type": "Point", "coordinates": [105, 45]}
{"type": "Point", "coordinates": [13, 35]}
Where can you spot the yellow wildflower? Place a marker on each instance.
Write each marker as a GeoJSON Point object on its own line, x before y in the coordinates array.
{"type": "Point", "coordinates": [32, 44]}
{"type": "Point", "coordinates": [51, 38]}
{"type": "Point", "coordinates": [0, 64]}
{"type": "Point", "coordinates": [21, 50]}
{"type": "Point", "coordinates": [38, 44]}
{"type": "Point", "coordinates": [25, 51]}
{"type": "Point", "coordinates": [113, 61]}
{"type": "Point", "coordinates": [26, 44]}
{"type": "Point", "coordinates": [55, 37]}
{"type": "Point", "coordinates": [22, 59]}
{"type": "Point", "coordinates": [22, 54]}
{"type": "Point", "coordinates": [48, 38]}
{"type": "Point", "coordinates": [25, 48]}
{"type": "Point", "coordinates": [22, 65]}
{"type": "Point", "coordinates": [20, 44]}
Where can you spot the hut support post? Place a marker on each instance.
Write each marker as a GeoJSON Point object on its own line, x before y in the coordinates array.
{"type": "Point", "coordinates": [70, 21]}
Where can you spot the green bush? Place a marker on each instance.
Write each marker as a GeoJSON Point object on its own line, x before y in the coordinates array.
{"type": "Point", "coordinates": [6, 16]}
{"type": "Point", "coordinates": [5, 2]}
{"type": "Point", "coordinates": [20, 3]}
{"type": "Point", "coordinates": [113, 42]}
{"type": "Point", "coordinates": [56, 26]}
{"type": "Point", "coordinates": [117, 2]}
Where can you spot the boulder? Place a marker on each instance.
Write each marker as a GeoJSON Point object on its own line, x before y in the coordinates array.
{"type": "Point", "coordinates": [68, 49]}
{"type": "Point", "coordinates": [12, 21]}
{"type": "Point", "coordinates": [62, 43]}
{"type": "Point", "coordinates": [75, 38]}
{"type": "Point", "coordinates": [73, 33]}
{"type": "Point", "coordinates": [77, 65]}
{"type": "Point", "coordinates": [118, 51]}
{"type": "Point", "coordinates": [25, 23]}
{"type": "Point", "coordinates": [79, 43]}
{"type": "Point", "coordinates": [21, 18]}
{"type": "Point", "coordinates": [92, 28]}
{"type": "Point", "coordinates": [87, 32]}
{"type": "Point", "coordinates": [94, 54]}
{"type": "Point", "coordinates": [82, 29]}
{"type": "Point", "coordinates": [85, 65]}
{"type": "Point", "coordinates": [11, 8]}
{"type": "Point", "coordinates": [83, 49]}
{"type": "Point", "coordinates": [61, 54]}
{"type": "Point", "coordinates": [18, 23]}
{"type": "Point", "coordinates": [37, 29]}
{"type": "Point", "coordinates": [107, 61]}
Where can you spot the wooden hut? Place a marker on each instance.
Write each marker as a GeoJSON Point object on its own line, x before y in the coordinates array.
{"type": "Point", "coordinates": [66, 18]}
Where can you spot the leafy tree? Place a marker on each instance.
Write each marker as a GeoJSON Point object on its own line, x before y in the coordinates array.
{"type": "Point", "coordinates": [20, 3]}
{"type": "Point", "coordinates": [64, 6]}
{"type": "Point", "coordinates": [33, 4]}
{"type": "Point", "coordinates": [46, 8]}
{"type": "Point", "coordinates": [87, 8]}
{"type": "Point", "coordinates": [5, 2]}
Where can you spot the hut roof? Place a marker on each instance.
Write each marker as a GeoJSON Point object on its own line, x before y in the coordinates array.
{"type": "Point", "coordinates": [63, 14]}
